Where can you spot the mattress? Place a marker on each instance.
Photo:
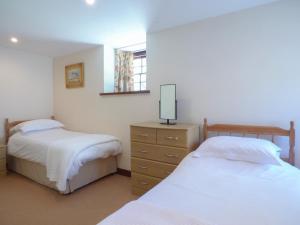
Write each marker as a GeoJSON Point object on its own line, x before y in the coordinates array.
{"type": "Point", "coordinates": [33, 147]}
{"type": "Point", "coordinates": [90, 172]}
{"type": "Point", "coordinates": [217, 191]}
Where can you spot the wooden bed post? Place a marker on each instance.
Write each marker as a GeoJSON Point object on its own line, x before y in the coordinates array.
{"type": "Point", "coordinates": [205, 129]}
{"type": "Point", "coordinates": [6, 127]}
{"type": "Point", "coordinates": [292, 143]}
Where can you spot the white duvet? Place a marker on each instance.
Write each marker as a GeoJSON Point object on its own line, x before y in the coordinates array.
{"type": "Point", "coordinates": [224, 192]}
{"type": "Point", "coordinates": [146, 214]}
{"type": "Point", "coordinates": [62, 152]}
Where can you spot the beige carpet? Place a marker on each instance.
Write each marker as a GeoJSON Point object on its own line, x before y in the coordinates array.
{"type": "Point", "coordinates": [23, 202]}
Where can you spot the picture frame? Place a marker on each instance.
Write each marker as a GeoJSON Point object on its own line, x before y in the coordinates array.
{"type": "Point", "coordinates": [74, 75]}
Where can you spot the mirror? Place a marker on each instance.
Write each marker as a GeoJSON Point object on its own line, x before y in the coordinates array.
{"type": "Point", "coordinates": [168, 104]}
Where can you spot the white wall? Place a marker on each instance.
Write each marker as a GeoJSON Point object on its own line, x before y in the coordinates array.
{"type": "Point", "coordinates": [109, 68]}
{"type": "Point", "coordinates": [26, 86]}
{"type": "Point", "coordinates": [238, 68]}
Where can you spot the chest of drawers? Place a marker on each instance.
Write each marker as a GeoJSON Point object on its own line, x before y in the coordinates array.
{"type": "Point", "coordinates": [2, 160]}
{"type": "Point", "coordinates": [157, 149]}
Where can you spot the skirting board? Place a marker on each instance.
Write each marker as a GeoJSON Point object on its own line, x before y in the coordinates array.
{"type": "Point", "coordinates": [126, 173]}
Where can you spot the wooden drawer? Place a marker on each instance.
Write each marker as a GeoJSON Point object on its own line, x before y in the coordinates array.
{"type": "Point", "coordinates": [151, 168]}
{"type": "Point", "coordinates": [143, 182]}
{"type": "Point", "coordinates": [2, 153]}
{"type": "Point", "coordinates": [142, 134]}
{"type": "Point", "coordinates": [177, 138]}
{"type": "Point", "coordinates": [158, 153]}
{"type": "Point", "coordinates": [2, 165]}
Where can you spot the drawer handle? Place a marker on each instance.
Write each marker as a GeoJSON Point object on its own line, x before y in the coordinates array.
{"type": "Point", "coordinates": [143, 167]}
{"type": "Point", "coordinates": [171, 156]}
{"type": "Point", "coordinates": [172, 138]}
{"type": "Point", "coordinates": [143, 135]}
{"type": "Point", "coordinates": [143, 183]}
{"type": "Point", "coordinates": [143, 151]}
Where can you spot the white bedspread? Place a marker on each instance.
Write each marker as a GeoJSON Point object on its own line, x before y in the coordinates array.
{"type": "Point", "coordinates": [62, 152]}
{"type": "Point", "coordinates": [146, 214]}
{"type": "Point", "coordinates": [224, 192]}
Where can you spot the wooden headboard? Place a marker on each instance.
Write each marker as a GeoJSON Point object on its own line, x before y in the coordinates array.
{"type": "Point", "coordinates": [8, 125]}
{"type": "Point", "coordinates": [255, 130]}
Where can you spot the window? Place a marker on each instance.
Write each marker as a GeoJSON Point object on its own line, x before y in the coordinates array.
{"type": "Point", "coordinates": [125, 70]}
{"type": "Point", "coordinates": [140, 70]}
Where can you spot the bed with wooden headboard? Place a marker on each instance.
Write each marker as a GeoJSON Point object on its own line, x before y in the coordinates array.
{"type": "Point", "coordinates": [257, 131]}
{"type": "Point", "coordinates": [89, 172]}
{"type": "Point", "coordinates": [213, 190]}
{"type": "Point", "coordinates": [9, 125]}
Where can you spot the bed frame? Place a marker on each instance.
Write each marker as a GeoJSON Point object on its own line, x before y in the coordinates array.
{"type": "Point", "coordinates": [88, 173]}
{"type": "Point", "coordinates": [258, 131]}
{"type": "Point", "coordinates": [8, 125]}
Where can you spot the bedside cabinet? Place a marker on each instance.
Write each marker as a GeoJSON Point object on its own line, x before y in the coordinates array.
{"type": "Point", "coordinates": [156, 150]}
{"type": "Point", "coordinates": [2, 160]}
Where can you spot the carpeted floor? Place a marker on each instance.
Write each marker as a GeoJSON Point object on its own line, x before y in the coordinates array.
{"type": "Point", "coordinates": [23, 202]}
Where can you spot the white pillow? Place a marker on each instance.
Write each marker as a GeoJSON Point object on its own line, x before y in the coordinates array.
{"type": "Point", "coordinates": [240, 148]}
{"type": "Point", "coordinates": [37, 125]}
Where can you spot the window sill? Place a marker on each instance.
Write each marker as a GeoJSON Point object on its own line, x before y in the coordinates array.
{"type": "Point", "coordinates": [125, 93]}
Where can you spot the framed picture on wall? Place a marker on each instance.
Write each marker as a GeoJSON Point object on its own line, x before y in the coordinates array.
{"type": "Point", "coordinates": [74, 75]}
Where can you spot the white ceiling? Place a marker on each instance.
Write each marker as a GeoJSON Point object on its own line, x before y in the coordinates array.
{"type": "Point", "coordinates": [58, 27]}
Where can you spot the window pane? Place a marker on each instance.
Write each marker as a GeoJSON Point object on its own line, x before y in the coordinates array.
{"type": "Point", "coordinates": [136, 86]}
{"type": "Point", "coordinates": [144, 69]}
{"type": "Point", "coordinates": [143, 78]}
{"type": "Point", "coordinates": [137, 62]}
{"type": "Point", "coordinates": [144, 62]}
{"type": "Point", "coordinates": [137, 70]}
{"type": "Point", "coordinates": [137, 78]}
{"type": "Point", "coordinates": [143, 86]}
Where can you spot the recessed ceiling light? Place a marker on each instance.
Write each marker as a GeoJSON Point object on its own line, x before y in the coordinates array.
{"type": "Point", "coordinates": [90, 2]}
{"type": "Point", "coordinates": [14, 40]}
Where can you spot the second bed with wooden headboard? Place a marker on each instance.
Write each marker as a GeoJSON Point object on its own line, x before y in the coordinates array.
{"type": "Point", "coordinates": [257, 131]}
{"type": "Point", "coordinates": [219, 191]}
{"type": "Point", "coordinates": [35, 144]}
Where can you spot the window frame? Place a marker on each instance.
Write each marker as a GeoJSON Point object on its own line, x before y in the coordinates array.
{"type": "Point", "coordinates": [140, 55]}
{"type": "Point", "coordinates": [137, 53]}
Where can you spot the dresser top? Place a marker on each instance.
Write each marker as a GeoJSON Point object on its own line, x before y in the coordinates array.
{"type": "Point", "coordinates": [164, 126]}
